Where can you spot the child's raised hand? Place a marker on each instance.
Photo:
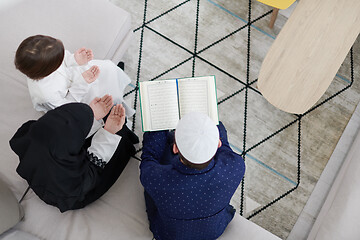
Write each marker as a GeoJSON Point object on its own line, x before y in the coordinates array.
{"type": "Point", "coordinates": [91, 74]}
{"type": "Point", "coordinates": [83, 56]}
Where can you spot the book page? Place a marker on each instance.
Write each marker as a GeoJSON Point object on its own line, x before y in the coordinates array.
{"type": "Point", "coordinates": [198, 95]}
{"type": "Point", "coordinates": [193, 96]}
{"type": "Point", "coordinates": [163, 105]}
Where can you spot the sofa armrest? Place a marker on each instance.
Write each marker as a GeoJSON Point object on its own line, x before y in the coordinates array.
{"type": "Point", "coordinates": [96, 24]}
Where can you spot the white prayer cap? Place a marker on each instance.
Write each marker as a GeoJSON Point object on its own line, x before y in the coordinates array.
{"type": "Point", "coordinates": [197, 137]}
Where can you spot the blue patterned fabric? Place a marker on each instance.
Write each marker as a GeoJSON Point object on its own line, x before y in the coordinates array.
{"type": "Point", "coordinates": [185, 203]}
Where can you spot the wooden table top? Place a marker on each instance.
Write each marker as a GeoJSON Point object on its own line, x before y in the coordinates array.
{"type": "Point", "coordinates": [308, 52]}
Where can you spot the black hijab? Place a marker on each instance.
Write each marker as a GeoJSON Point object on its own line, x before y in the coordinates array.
{"type": "Point", "coordinates": [52, 157]}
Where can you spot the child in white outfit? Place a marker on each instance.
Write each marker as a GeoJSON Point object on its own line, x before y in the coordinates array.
{"type": "Point", "coordinates": [56, 77]}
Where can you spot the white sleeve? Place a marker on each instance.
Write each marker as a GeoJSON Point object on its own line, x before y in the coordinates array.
{"type": "Point", "coordinates": [97, 124]}
{"type": "Point", "coordinates": [79, 87]}
{"type": "Point", "coordinates": [69, 59]}
{"type": "Point", "coordinates": [58, 101]}
{"type": "Point", "coordinates": [104, 144]}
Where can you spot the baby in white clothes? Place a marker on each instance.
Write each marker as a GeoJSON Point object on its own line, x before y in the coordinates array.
{"type": "Point", "coordinates": [56, 77]}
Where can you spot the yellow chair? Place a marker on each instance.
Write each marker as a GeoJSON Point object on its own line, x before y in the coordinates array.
{"type": "Point", "coordinates": [279, 4]}
{"type": "Point", "coordinates": [276, 4]}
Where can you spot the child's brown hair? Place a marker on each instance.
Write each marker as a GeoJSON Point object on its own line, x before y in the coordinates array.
{"type": "Point", "coordinates": [38, 56]}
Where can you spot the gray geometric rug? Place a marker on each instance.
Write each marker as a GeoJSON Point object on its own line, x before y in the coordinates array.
{"type": "Point", "coordinates": [284, 153]}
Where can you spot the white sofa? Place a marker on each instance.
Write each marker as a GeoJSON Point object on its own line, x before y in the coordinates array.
{"type": "Point", "coordinates": [120, 213]}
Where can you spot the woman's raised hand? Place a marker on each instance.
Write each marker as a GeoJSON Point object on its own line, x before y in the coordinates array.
{"type": "Point", "coordinates": [116, 119]}
{"type": "Point", "coordinates": [101, 106]}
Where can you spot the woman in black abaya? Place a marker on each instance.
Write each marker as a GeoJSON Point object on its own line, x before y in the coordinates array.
{"type": "Point", "coordinates": [64, 168]}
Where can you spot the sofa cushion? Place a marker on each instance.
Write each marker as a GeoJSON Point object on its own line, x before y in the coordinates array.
{"type": "Point", "coordinates": [10, 211]}
{"type": "Point", "coordinates": [13, 234]}
{"type": "Point", "coordinates": [118, 214]}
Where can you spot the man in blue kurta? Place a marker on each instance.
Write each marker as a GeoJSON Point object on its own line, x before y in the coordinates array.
{"type": "Point", "coordinates": [189, 179]}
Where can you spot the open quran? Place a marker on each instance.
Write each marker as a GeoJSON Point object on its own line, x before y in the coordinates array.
{"type": "Point", "coordinates": [164, 102]}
